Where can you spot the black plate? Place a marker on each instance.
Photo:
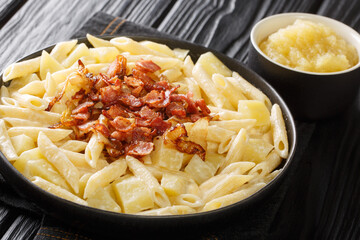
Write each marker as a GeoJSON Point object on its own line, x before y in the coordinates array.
{"type": "Point", "coordinates": [106, 223]}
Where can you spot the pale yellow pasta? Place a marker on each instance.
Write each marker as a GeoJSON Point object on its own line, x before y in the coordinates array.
{"type": "Point", "coordinates": [249, 90]}
{"type": "Point", "coordinates": [256, 150]}
{"type": "Point", "coordinates": [267, 166]}
{"type": "Point", "coordinates": [29, 114]}
{"type": "Point", "coordinates": [61, 76]}
{"type": "Point", "coordinates": [56, 190]}
{"type": "Point", "coordinates": [224, 184]}
{"type": "Point", "coordinates": [193, 88]}
{"type": "Point", "coordinates": [162, 48]}
{"type": "Point", "coordinates": [166, 156]}
{"type": "Point", "coordinates": [157, 192]}
{"type": "Point", "coordinates": [224, 87]}
{"type": "Point", "coordinates": [203, 79]}
{"type": "Point", "coordinates": [181, 53]}
{"type": "Point", "coordinates": [51, 86]}
{"type": "Point", "coordinates": [42, 168]}
{"type": "Point", "coordinates": [188, 67]}
{"type": "Point", "coordinates": [225, 114]}
{"type": "Point", "coordinates": [33, 132]}
{"type": "Point", "coordinates": [74, 145]}
{"type": "Point", "coordinates": [173, 184]}
{"type": "Point", "coordinates": [78, 159]}
{"type": "Point", "coordinates": [234, 125]}
{"type": "Point", "coordinates": [4, 92]}
{"type": "Point", "coordinates": [190, 200]}
{"type": "Point", "coordinates": [36, 88]}
{"type": "Point", "coordinates": [105, 176]}
{"type": "Point", "coordinates": [133, 194]}
{"type": "Point", "coordinates": [225, 156]}
{"type": "Point", "coordinates": [198, 132]}
{"type": "Point", "coordinates": [254, 109]}
{"type": "Point", "coordinates": [171, 74]}
{"type": "Point", "coordinates": [22, 143]}
{"type": "Point", "coordinates": [98, 42]}
{"type": "Point", "coordinates": [199, 170]}
{"type": "Point", "coordinates": [128, 45]}
{"type": "Point", "coordinates": [62, 49]}
{"type": "Point", "coordinates": [232, 197]}
{"type": "Point", "coordinates": [104, 54]}
{"type": "Point", "coordinates": [21, 69]}
{"type": "Point", "coordinates": [7, 101]}
{"type": "Point", "coordinates": [98, 67]}
{"type": "Point", "coordinates": [30, 101]}
{"type": "Point", "coordinates": [172, 210]}
{"type": "Point", "coordinates": [48, 64]}
{"type": "Point", "coordinates": [218, 134]}
{"type": "Point", "coordinates": [236, 149]}
{"type": "Point", "coordinates": [225, 145]}
{"type": "Point", "coordinates": [238, 168]}
{"type": "Point", "coordinates": [18, 122]}
{"type": "Point", "coordinates": [94, 149]}
{"type": "Point", "coordinates": [79, 51]}
{"type": "Point", "coordinates": [101, 198]}
{"type": "Point", "coordinates": [21, 163]}
{"type": "Point", "coordinates": [163, 62]}
{"type": "Point", "coordinates": [6, 145]}
{"type": "Point", "coordinates": [281, 143]}
{"type": "Point", "coordinates": [59, 160]}
{"type": "Point", "coordinates": [159, 172]}
{"type": "Point", "coordinates": [22, 81]}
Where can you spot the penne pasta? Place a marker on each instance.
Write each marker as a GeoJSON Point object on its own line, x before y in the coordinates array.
{"type": "Point", "coordinates": [136, 127]}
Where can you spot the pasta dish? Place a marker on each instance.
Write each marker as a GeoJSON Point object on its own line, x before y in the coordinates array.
{"type": "Point", "coordinates": [139, 128]}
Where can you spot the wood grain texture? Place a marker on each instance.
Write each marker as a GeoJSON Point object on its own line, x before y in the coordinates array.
{"type": "Point", "coordinates": [325, 204]}
{"type": "Point", "coordinates": [225, 25]}
{"type": "Point", "coordinates": [23, 227]}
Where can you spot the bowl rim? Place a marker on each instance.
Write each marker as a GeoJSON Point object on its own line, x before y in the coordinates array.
{"type": "Point", "coordinates": [306, 16]}
{"type": "Point", "coordinates": [9, 171]}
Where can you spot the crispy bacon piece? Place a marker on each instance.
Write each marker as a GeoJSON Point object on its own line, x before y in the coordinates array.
{"type": "Point", "coordinates": [148, 82]}
{"type": "Point", "coordinates": [176, 109]}
{"type": "Point", "coordinates": [140, 148]}
{"type": "Point", "coordinates": [102, 129]}
{"type": "Point", "coordinates": [147, 66]}
{"type": "Point", "coordinates": [160, 125]}
{"type": "Point", "coordinates": [117, 67]}
{"type": "Point", "coordinates": [122, 124]}
{"type": "Point", "coordinates": [148, 113]}
{"type": "Point", "coordinates": [154, 98]}
{"type": "Point", "coordinates": [110, 94]}
{"type": "Point", "coordinates": [83, 108]}
{"type": "Point", "coordinates": [135, 108]}
{"type": "Point", "coordinates": [87, 127]}
{"type": "Point", "coordinates": [129, 100]}
{"type": "Point", "coordinates": [202, 105]}
{"type": "Point", "coordinates": [133, 82]}
{"type": "Point", "coordinates": [141, 134]}
{"type": "Point", "coordinates": [114, 111]}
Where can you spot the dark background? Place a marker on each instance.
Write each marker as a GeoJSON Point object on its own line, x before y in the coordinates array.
{"type": "Point", "coordinates": [323, 197]}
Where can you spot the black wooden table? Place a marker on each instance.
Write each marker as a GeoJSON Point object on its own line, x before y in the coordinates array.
{"type": "Point", "coordinates": [323, 199]}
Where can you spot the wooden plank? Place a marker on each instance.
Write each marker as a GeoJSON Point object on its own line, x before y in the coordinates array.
{"type": "Point", "coordinates": [24, 227]}
{"type": "Point", "coordinates": [145, 12]}
{"type": "Point", "coordinates": [8, 8]}
{"type": "Point", "coordinates": [6, 218]}
{"type": "Point", "coordinates": [225, 25]}
{"type": "Point", "coordinates": [40, 23]}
